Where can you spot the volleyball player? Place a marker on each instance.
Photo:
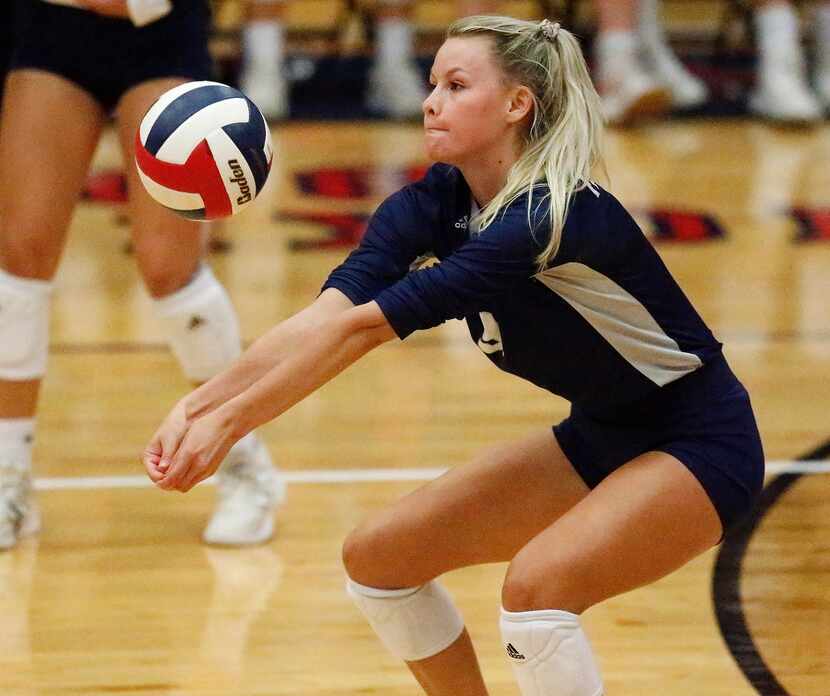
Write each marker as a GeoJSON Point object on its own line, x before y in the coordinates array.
{"type": "Point", "coordinates": [73, 64]}
{"type": "Point", "coordinates": [660, 454]}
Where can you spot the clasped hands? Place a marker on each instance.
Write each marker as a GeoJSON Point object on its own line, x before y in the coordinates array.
{"type": "Point", "coordinates": [186, 450]}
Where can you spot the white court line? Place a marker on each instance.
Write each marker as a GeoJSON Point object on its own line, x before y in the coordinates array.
{"type": "Point", "coordinates": [352, 476]}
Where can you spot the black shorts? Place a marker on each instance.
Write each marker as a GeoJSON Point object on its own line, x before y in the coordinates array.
{"type": "Point", "coordinates": [105, 56]}
{"type": "Point", "coordinates": [704, 419]}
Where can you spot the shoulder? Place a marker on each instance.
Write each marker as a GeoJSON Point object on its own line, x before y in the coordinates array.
{"type": "Point", "coordinates": [599, 230]}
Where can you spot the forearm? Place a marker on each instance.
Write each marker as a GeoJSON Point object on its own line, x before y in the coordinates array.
{"type": "Point", "coordinates": [268, 351]}
{"type": "Point", "coordinates": [329, 349]}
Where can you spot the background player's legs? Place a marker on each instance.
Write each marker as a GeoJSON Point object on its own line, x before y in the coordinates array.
{"type": "Point", "coordinates": [480, 513]}
{"type": "Point", "coordinates": [645, 520]}
{"type": "Point", "coordinates": [628, 89]}
{"type": "Point", "coordinates": [687, 91]}
{"type": "Point", "coordinates": [202, 329]}
{"type": "Point", "coordinates": [781, 89]}
{"type": "Point", "coordinates": [263, 41]}
{"type": "Point", "coordinates": [396, 86]}
{"type": "Point", "coordinates": [34, 215]}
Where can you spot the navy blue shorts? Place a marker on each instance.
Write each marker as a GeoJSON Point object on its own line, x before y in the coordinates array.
{"type": "Point", "coordinates": [105, 56]}
{"type": "Point", "coordinates": [704, 419]}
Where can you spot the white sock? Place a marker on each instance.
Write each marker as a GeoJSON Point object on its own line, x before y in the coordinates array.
{"type": "Point", "coordinates": [201, 325]}
{"type": "Point", "coordinates": [16, 440]}
{"type": "Point", "coordinates": [610, 45]}
{"type": "Point", "coordinates": [550, 654]}
{"type": "Point", "coordinates": [777, 27]}
{"type": "Point", "coordinates": [615, 51]}
{"type": "Point", "coordinates": [264, 42]}
{"type": "Point", "coordinates": [650, 29]}
{"type": "Point", "coordinates": [394, 42]}
{"type": "Point", "coordinates": [822, 37]}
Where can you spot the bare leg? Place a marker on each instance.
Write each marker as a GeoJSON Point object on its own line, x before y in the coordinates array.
{"type": "Point", "coordinates": [35, 217]}
{"type": "Point", "coordinates": [53, 126]}
{"type": "Point", "coordinates": [617, 15]}
{"type": "Point", "coordinates": [168, 248]}
{"type": "Point", "coordinates": [645, 520]}
{"type": "Point", "coordinates": [460, 520]}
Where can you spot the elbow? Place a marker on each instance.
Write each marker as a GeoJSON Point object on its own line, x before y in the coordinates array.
{"type": "Point", "coordinates": [370, 323]}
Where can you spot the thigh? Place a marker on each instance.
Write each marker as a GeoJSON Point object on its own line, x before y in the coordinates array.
{"type": "Point", "coordinates": [168, 247]}
{"type": "Point", "coordinates": [643, 521]}
{"type": "Point", "coordinates": [482, 512]}
{"type": "Point", "coordinates": [50, 128]}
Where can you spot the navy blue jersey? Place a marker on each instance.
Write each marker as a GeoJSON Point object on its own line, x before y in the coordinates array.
{"type": "Point", "coordinates": [603, 324]}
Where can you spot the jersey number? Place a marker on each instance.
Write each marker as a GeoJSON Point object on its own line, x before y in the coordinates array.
{"type": "Point", "coordinates": [490, 341]}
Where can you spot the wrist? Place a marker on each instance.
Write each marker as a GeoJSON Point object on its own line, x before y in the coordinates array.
{"type": "Point", "coordinates": [234, 420]}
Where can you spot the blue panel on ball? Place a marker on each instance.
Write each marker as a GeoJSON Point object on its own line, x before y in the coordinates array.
{"type": "Point", "coordinates": [182, 108]}
{"type": "Point", "coordinates": [249, 138]}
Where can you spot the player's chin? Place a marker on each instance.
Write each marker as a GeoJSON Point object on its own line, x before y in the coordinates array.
{"type": "Point", "coordinates": [437, 151]}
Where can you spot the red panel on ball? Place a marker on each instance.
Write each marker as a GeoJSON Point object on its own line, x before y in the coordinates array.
{"type": "Point", "coordinates": [198, 175]}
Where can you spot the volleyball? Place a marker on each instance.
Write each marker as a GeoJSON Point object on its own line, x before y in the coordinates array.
{"type": "Point", "coordinates": [203, 150]}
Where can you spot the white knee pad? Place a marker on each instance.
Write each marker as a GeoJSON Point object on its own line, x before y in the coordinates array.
{"type": "Point", "coordinates": [414, 623]}
{"type": "Point", "coordinates": [24, 327]}
{"type": "Point", "coordinates": [201, 326]}
{"type": "Point", "coordinates": [550, 653]}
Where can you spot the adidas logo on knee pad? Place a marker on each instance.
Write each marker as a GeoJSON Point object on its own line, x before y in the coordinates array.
{"type": "Point", "coordinates": [515, 654]}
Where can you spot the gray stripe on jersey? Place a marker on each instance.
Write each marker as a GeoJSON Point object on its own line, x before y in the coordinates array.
{"type": "Point", "coordinates": [621, 320]}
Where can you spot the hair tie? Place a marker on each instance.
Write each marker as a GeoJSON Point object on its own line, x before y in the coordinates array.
{"type": "Point", "coordinates": [550, 30]}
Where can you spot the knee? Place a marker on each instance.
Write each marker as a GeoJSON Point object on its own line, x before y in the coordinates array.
{"type": "Point", "coordinates": [371, 557]}
{"type": "Point", "coordinates": [361, 550]}
{"type": "Point", "coordinates": [554, 586]}
{"type": "Point", "coordinates": [27, 252]}
{"type": "Point", "coordinates": [164, 278]}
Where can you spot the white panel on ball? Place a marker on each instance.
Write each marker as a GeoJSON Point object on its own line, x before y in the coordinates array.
{"type": "Point", "coordinates": [164, 101]}
{"type": "Point", "coordinates": [177, 148]}
{"type": "Point", "coordinates": [236, 174]}
{"type": "Point", "coordinates": [177, 200]}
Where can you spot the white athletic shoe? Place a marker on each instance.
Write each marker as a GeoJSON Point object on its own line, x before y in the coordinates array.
{"type": "Point", "coordinates": [687, 90]}
{"type": "Point", "coordinates": [782, 93]}
{"type": "Point", "coordinates": [268, 89]}
{"type": "Point", "coordinates": [397, 91]}
{"type": "Point", "coordinates": [630, 95]}
{"type": "Point", "coordinates": [19, 513]}
{"type": "Point", "coordinates": [249, 490]}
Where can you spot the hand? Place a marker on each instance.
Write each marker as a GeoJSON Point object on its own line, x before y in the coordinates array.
{"type": "Point", "coordinates": [163, 445]}
{"type": "Point", "coordinates": [108, 8]}
{"type": "Point", "coordinates": [198, 456]}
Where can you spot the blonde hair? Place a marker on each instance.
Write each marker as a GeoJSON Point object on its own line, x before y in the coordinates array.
{"type": "Point", "coordinates": [564, 142]}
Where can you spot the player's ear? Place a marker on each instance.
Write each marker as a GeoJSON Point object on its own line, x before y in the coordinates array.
{"type": "Point", "coordinates": [521, 104]}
